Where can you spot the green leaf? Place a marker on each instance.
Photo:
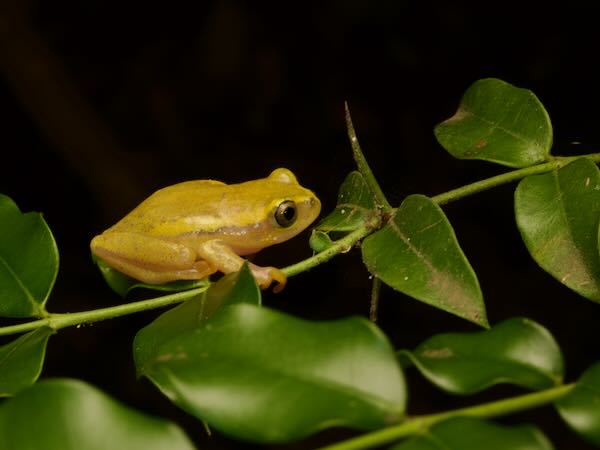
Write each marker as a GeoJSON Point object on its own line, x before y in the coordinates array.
{"type": "Point", "coordinates": [64, 414]}
{"type": "Point", "coordinates": [238, 287]}
{"type": "Point", "coordinates": [580, 408]}
{"type": "Point", "coordinates": [122, 284]}
{"type": "Point", "coordinates": [417, 253]}
{"type": "Point", "coordinates": [28, 261]}
{"type": "Point", "coordinates": [517, 351]}
{"type": "Point", "coordinates": [264, 376]}
{"type": "Point", "coordinates": [557, 214]}
{"type": "Point", "coordinates": [498, 122]}
{"type": "Point", "coordinates": [21, 361]}
{"type": "Point", "coordinates": [466, 433]}
{"type": "Point", "coordinates": [354, 206]}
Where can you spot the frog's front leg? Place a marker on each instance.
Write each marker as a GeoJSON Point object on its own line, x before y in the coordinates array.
{"type": "Point", "coordinates": [148, 259]}
{"type": "Point", "coordinates": [224, 259]}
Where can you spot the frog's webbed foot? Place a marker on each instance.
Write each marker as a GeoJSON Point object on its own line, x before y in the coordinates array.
{"type": "Point", "coordinates": [266, 275]}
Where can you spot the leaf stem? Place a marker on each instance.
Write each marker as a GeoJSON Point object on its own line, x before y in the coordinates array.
{"type": "Point", "coordinates": [363, 166]}
{"type": "Point", "coordinates": [508, 177]}
{"type": "Point", "coordinates": [63, 320]}
{"type": "Point", "coordinates": [419, 424]}
{"type": "Point", "coordinates": [342, 245]}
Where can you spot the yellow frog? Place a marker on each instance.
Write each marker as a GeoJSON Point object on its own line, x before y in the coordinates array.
{"type": "Point", "coordinates": [189, 230]}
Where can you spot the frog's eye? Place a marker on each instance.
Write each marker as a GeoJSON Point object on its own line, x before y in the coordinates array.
{"type": "Point", "coordinates": [285, 214]}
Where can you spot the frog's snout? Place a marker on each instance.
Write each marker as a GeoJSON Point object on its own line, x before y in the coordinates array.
{"type": "Point", "coordinates": [314, 205]}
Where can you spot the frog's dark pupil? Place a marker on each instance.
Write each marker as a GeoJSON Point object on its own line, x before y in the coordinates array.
{"type": "Point", "coordinates": [285, 214]}
{"type": "Point", "coordinates": [289, 213]}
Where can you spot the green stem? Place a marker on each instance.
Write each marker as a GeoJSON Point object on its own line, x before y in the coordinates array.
{"type": "Point", "coordinates": [419, 424]}
{"type": "Point", "coordinates": [507, 177]}
{"type": "Point", "coordinates": [58, 321]}
{"type": "Point", "coordinates": [375, 291]}
{"type": "Point", "coordinates": [342, 245]}
{"type": "Point", "coordinates": [363, 166]}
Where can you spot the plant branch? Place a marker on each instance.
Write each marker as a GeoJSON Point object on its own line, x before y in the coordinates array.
{"type": "Point", "coordinates": [58, 321]}
{"type": "Point", "coordinates": [342, 245]}
{"type": "Point", "coordinates": [508, 177]}
{"type": "Point", "coordinates": [363, 166]}
{"type": "Point", "coordinates": [375, 291]}
{"type": "Point", "coordinates": [419, 424]}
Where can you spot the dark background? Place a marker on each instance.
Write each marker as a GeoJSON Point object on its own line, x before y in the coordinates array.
{"type": "Point", "coordinates": [103, 102]}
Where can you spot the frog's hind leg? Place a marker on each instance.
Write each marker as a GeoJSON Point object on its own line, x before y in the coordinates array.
{"type": "Point", "coordinates": [224, 259]}
{"type": "Point", "coordinates": [148, 259]}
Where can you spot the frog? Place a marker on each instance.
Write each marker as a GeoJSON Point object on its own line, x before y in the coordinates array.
{"type": "Point", "coordinates": [193, 229]}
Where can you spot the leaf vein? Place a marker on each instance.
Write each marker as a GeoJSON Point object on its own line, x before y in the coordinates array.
{"type": "Point", "coordinates": [396, 229]}
{"type": "Point", "coordinates": [507, 131]}
{"type": "Point", "coordinates": [23, 341]}
{"type": "Point", "coordinates": [332, 385]}
{"type": "Point", "coordinates": [569, 229]}
{"type": "Point", "coordinates": [28, 295]}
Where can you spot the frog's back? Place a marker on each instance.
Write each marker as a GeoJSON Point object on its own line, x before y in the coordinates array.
{"type": "Point", "coordinates": [208, 206]}
{"type": "Point", "coordinates": [197, 198]}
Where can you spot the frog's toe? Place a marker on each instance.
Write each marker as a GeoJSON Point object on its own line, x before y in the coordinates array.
{"type": "Point", "coordinates": [279, 277]}
{"type": "Point", "coordinates": [266, 275]}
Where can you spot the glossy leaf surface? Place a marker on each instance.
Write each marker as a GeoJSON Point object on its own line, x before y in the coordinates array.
{"type": "Point", "coordinates": [517, 351]}
{"type": "Point", "coordinates": [21, 361]}
{"type": "Point", "coordinates": [557, 214]}
{"type": "Point", "coordinates": [417, 253]}
{"type": "Point", "coordinates": [464, 433]}
{"type": "Point", "coordinates": [580, 408]}
{"type": "Point", "coordinates": [238, 287]}
{"type": "Point", "coordinates": [263, 376]}
{"type": "Point", "coordinates": [28, 261]}
{"type": "Point", "coordinates": [498, 122]}
{"type": "Point", "coordinates": [64, 414]}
